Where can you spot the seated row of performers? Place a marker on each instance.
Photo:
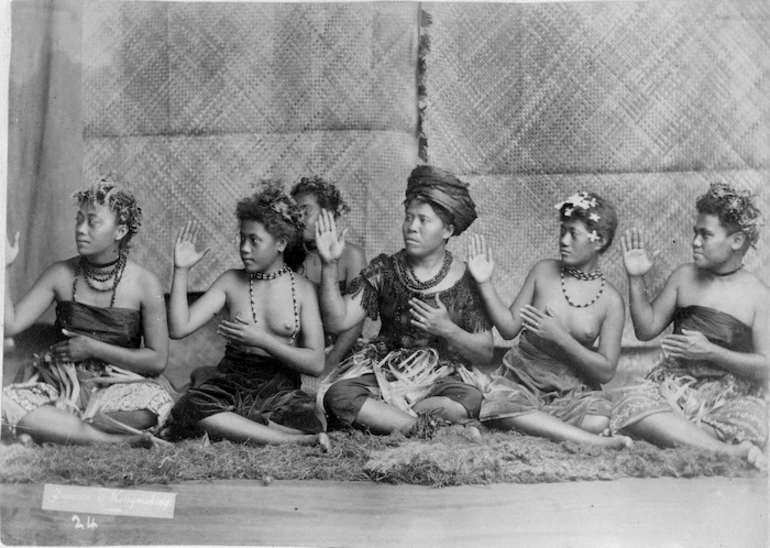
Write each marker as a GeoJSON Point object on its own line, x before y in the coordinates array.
{"type": "Point", "coordinates": [102, 381]}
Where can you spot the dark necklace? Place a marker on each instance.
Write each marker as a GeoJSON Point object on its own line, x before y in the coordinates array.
{"type": "Point", "coordinates": [584, 277]}
{"type": "Point", "coordinates": [418, 285]}
{"type": "Point", "coordinates": [262, 277]}
{"type": "Point", "coordinates": [580, 275]}
{"type": "Point", "coordinates": [278, 273]}
{"type": "Point", "coordinates": [723, 274]}
{"type": "Point", "coordinates": [92, 274]}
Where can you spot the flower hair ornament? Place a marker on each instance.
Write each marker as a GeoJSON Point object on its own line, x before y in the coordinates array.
{"type": "Point", "coordinates": [736, 207]}
{"type": "Point", "coordinates": [583, 200]}
{"type": "Point", "coordinates": [271, 196]}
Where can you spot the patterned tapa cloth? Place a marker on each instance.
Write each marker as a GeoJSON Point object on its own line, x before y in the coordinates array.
{"type": "Point", "coordinates": [530, 380]}
{"type": "Point", "coordinates": [734, 407]}
{"type": "Point", "coordinates": [91, 386]}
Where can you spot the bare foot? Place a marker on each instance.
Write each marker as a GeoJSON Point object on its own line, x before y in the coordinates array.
{"type": "Point", "coordinates": [26, 440]}
{"type": "Point", "coordinates": [473, 431]}
{"type": "Point", "coordinates": [615, 442]}
{"type": "Point", "coordinates": [753, 455]}
{"type": "Point", "coordinates": [146, 440]}
{"type": "Point", "coordinates": [324, 442]}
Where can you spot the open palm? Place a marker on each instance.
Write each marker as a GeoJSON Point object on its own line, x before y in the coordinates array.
{"type": "Point", "coordinates": [185, 254]}
{"type": "Point", "coordinates": [636, 259]}
{"type": "Point", "coordinates": [480, 261]}
{"type": "Point", "coordinates": [329, 244]}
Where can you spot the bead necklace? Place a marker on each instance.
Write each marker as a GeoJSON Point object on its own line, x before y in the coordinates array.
{"type": "Point", "coordinates": [586, 277]}
{"type": "Point", "coordinates": [580, 275]}
{"type": "Point", "coordinates": [266, 277]}
{"type": "Point", "coordinates": [92, 273]}
{"type": "Point", "coordinates": [99, 273]}
{"type": "Point", "coordinates": [418, 285]}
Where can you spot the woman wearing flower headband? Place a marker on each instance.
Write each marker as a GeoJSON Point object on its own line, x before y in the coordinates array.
{"type": "Point", "coordinates": [433, 326]}
{"type": "Point", "coordinates": [273, 331]}
{"type": "Point", "coordinates": [549, 384]}
{"type": "Point", "coordinates": [99, 383]}
{"type": "Point", "coordinates": [313, 195]}
{"type": "Point", "coordinates": [710, 388]}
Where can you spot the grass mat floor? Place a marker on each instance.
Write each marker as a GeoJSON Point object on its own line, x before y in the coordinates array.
{"type": "Point", "coordinates": [452, 457]}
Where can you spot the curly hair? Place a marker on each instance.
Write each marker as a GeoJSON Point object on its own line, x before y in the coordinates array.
{"type": "Point", "coordinates": [327, 194]}
{"type": "Point", "coordinates": [734, 208]}
{"type": "Point", "coordinates": [111, 191]}
{"type": "Point", "coordinates": [280, 216]}
{"type": "Point", "coordinates": [596, 213]}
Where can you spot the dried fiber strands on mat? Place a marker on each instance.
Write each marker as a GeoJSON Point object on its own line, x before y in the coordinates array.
{"type": "Point", "coordinates": [403, 376]}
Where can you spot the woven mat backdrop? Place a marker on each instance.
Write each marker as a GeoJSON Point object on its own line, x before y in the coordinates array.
{"type": "Point", "coordinates": [194, 103]}
{"type": "Point", "coordinates": [644, 103]}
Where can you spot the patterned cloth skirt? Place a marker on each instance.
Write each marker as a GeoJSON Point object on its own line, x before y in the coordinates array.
{"type": "Point", "coordinates": [735, 409]}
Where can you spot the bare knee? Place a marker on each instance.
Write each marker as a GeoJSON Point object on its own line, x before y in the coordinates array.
{"type": "Point", "coordinates": [444, 406]}
{"type": "Point", "coordinates": [596, 424]}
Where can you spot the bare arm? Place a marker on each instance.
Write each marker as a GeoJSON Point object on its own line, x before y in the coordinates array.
{"type": "Point", "coordinates": [649, 318]}
{"type": "Point", "coordinates": [597, 365]}
{"type": "Point", "coordinates": [339, 314]}
{"type": "Point", "coordinates": [182, 318]}
{"type": "Point", "coordinates": [345, 340]}
{"type": "Point", "coordinates": [753, 366]}
{"type": "Point", "coordinates": [37, 300]}
{"type": "Point", "coordinates": [149, 360]}
{"type": "Point", "coordinates": [308, 358]}
{"type": "Point", "coordinates": [481, 265]}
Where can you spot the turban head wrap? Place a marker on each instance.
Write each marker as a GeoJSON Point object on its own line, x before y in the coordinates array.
{"type": "Point", "coordinates": [439, 187]}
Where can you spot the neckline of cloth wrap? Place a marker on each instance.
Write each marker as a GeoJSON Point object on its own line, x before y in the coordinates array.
{"type": "Point", "coordinates": [118, 326]}
{"type": "Point", "coordinates": [719, 327]}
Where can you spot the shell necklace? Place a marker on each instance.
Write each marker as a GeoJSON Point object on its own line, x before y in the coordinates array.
{"type": "Point", "coordinates": [266, 277]}
{"type": "Point", "coordinates": [583, 277]}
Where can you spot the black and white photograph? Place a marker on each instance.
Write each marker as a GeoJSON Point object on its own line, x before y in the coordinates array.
{"type": "Point", "coordinates": [321, 274]}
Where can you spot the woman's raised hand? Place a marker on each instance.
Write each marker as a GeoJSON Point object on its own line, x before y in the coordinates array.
{"type": "Point", "coordinates": [636, 259]}
{"type": "Point", "coordinates": [480, 262]}
{"type": "Point", "coordinates": [11, 250]}
{"type": "Point", "coordinates": [185, 255]}
{"type": "Point", "coordinates": [327, 241]}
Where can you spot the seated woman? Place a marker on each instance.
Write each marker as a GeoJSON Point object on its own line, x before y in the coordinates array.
{"type": "Point", "coordinates": [99, 383]}
{"type": "Point", "coordinates": [709, 390]}
{"type": "Point", "coordinates": [549, 384]}
{"type": "Point", "coordinates": [433, 325]}
{"type": "Point", "coordinates": [273, 331]}
{"type": "Point", "coordinates": [313, 195]}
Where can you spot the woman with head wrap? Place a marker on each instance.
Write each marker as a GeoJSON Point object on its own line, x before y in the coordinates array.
{"type": "Point", "coordinates": [710, 388]}
{"type": "Point", "coordinates": [433, 324]}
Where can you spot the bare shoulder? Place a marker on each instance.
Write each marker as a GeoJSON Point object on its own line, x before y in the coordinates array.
{"type": "Point", "coordinates": [353, 251]}
{"type": "Point", "coordinates": [143, 279]}
{"type": "Point", "coordinates": [613, 296]}
{"type": "Point", "coordinates": [353, 259]}
{"type": "Point", "coordinates": [758, 289]}
{"type": "Point", "coordinates": [684, 274]}
{"type": "Point", "coordinates": [60, 272]}
{"type": "Point", "coordinates": [305, 288]}
{"type": "Point", "coordinates": [546, 267]}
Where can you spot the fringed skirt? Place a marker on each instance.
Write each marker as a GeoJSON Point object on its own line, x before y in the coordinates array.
{"type": "Point", "coordinates": [84, 389]}
{"type": "Point", "coordinates": [735, 409]}
{"type": "Point", "coordinates": [258, 388]}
